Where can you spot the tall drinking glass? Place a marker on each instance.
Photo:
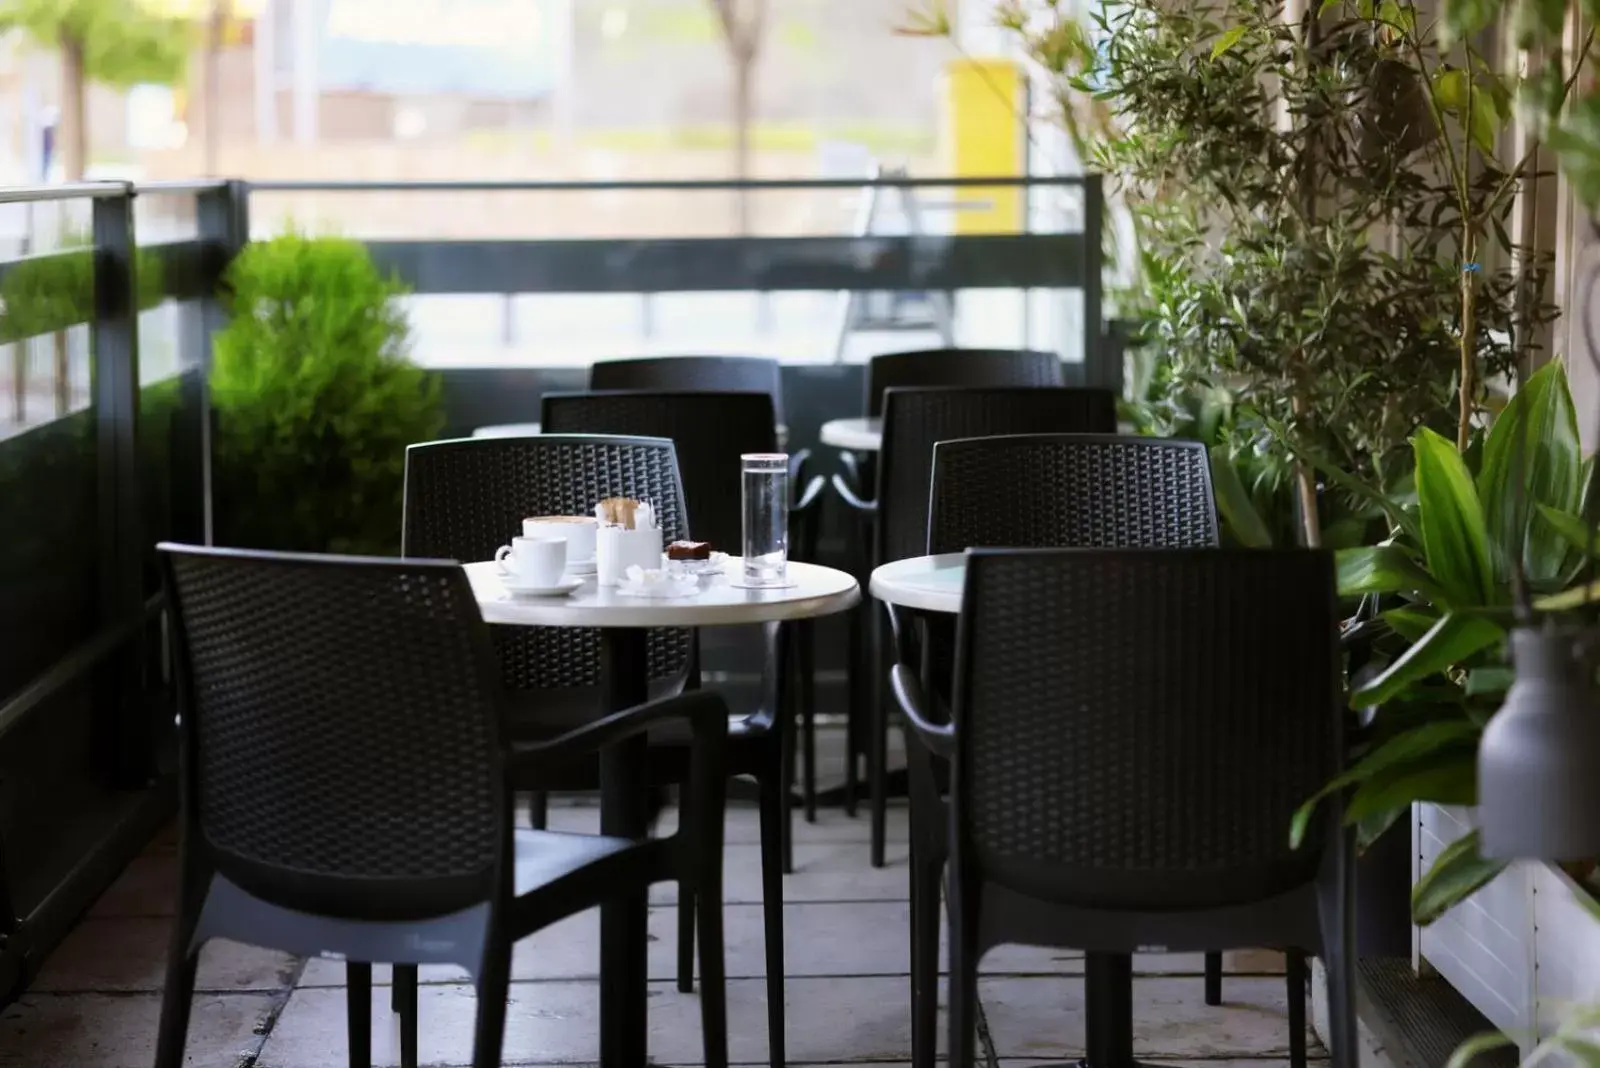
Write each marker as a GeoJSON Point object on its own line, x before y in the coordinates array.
{"type": "Point", "coordinates": [766, 518]}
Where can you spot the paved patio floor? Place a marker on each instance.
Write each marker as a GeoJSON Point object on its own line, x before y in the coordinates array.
{"type": "Point", "coordinates": [96, 1002]}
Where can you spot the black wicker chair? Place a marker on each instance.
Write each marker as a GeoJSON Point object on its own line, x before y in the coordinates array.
{"type": "Point", "coordinates": [463, 498]}
{"type": "Point", "coordinates": [1033, 491]}
{"type": "Point", "coordinates": [710, 431]}
{"type": "Point", "coordinates": [757, 374]}
{"type": "Point", "coordinates": [915, 419]}
{"type": "Point", "coordinates": [311, 686]}
{"type": "Point", "coordinates": [1115, 717]}
{"type": "Point", "coordinates": [958, 367]}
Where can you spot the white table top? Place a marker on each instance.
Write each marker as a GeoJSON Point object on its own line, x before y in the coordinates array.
{"type": "Point", "coordinates": [857, 435]}
{"type": "Point", "coordinates": [929, 583]}
{"type": "Point", "coordinates": [817, 591]}
{"type": "Point", "coordinates": [506, 430]}
{"type": "Point", "coordinates": [522, 430]}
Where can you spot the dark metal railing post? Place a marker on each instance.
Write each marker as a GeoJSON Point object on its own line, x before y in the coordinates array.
{"type": "Point", "coordinates": [114, 346]}
{"type": "Point", "coordinates": [1098, 369]}
{"type": "Point", "coordinates": [223, 215]}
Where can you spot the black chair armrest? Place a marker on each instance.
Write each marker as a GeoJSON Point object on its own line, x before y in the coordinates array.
{"type": "Point", "coordinates": [704, 710]}
{"type": "Point", "coordinates": [852, 471]}
{"type": "Point", "coordinates": [848, 495]}
{"type": "Point", "coordinates": [940, 738]}
{"type": "Point", "coordinates": [812, 493]}
{"type": "Point", "coordinates": [900, 632]}
{"type": "Point", "coordinates": [798, 461]}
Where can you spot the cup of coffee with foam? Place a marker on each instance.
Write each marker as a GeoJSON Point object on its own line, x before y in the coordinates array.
{"type": "Point", "coordinates": [579, 530]}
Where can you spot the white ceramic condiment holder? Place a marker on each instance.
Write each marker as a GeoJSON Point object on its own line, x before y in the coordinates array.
{"type": "Point", "coordinates": [616, 549]}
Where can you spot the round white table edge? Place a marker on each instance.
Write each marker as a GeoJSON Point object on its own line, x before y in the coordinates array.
{"type": "Point", "coordinates": [780, 605]}
{"type": "Point", "coordinates": [893, 583]}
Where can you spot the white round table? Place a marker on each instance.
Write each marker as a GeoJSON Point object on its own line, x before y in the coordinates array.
{"type": "Point", "coordinates": [857, 435]}
{"type": "Point", "coordinates": [624, 624]}
{"type": "Point", "coordinates": [522, 430]}
{"type": "Point", "coordinates": [817, 591]}
{"type": "Point", "coordinates": [506, 430]}
{"type": "Point", "coordinates": [924, 583]}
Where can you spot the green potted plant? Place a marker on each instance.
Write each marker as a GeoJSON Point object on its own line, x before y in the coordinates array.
{"type": "Point", "coordinates": [315, 400]}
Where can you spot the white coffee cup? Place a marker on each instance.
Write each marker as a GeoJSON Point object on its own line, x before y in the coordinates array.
{"type": "Point", "coordinates": [617, 549]}
{"type": "Point", "coordinates": [579, 530]}
{"type": "Point", "coordinates": [534, 561]}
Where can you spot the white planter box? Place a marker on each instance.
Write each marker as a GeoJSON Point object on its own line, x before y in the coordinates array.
{"type": "Point", "coordinates": [1522, 950]}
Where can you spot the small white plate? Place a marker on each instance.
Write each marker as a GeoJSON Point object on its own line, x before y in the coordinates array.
{"type": "Point", "coordinates": [710, 566]}
{"type": "Point", "coordinates": [581, 567]}
{"type": "Point", "coordinates": [516, 588]}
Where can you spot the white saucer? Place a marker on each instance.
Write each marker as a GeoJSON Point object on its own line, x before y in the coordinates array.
{"type": "Point", "coordinates": [515, 587]}
{"type": "Point", "coordinates": [582, 567]}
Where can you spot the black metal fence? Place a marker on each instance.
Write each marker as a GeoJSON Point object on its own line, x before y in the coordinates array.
{"type": "Point", "coordinates": [87, 489]}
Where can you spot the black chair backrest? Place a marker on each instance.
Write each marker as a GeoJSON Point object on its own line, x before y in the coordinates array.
{"type": "Point", "coordinates": [958, 367]}
{"type": "Point", "coordinates": [745, 374]}
{"type": "Point", "coordinates": [466, 498]}
{"type": "Point", "coordinates": [1091, 491]}
{"type": "Point", "coordinates": [709, 431]}
{"type": "Point", "coordinates": [342, 750]}
{"type": "Point", "coordinates": [1136, 726]}
{"type": "Point", "coordinates": [915, 419]}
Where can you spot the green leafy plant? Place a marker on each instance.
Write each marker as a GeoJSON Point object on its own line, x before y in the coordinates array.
{"type": "Point", "coordinates": [1319, 211]}
{"type": "Point", "coordinates": [1450, 565]}
{"type": "Point", "coordinates": [315, 400]}
{"type": "Point", "coordinates": [120, 43]}
{"type": "Point", "coordinates": [51, 292]}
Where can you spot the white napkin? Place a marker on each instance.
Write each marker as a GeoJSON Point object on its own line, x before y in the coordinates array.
{"type": "Point", "coordinates": [654, 582]}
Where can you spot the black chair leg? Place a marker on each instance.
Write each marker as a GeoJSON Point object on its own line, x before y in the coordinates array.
{"type": "Point", "coordinates": [772, 834]}
{"type": "Point", "coordinates": [963, 910]}
{"type": "Point", "coordinates": [176, 1000]}
{"type": "Point", "coordinates": [358, 1013]}
{"type": "Point", "coordinates": [403, 993]}
{"type": "Point", "coordinates": [806, 657]}
{"type": "Point", "coordinates": [686, 899]}
{"type": "Point", "coordinates": [494, 987]}
{"type": "Point", "coordinates": [1335, 905]}
{"type": "Point", "coordinates": [878, 745]}
{"type": "Point", "coordinates": [1213, 978]}
{"type": "Point", "coordinates": [856, 718]}
{"type": "Point", "coordinates": [539, 810]}
{"type": "Point", "coordinates": [1294, 974]}
{"type": "Point", "coordinates": [924, 957]}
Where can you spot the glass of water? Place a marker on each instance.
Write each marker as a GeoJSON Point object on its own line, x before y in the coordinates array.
{"type": "Point", "coordinates": [766, 518]}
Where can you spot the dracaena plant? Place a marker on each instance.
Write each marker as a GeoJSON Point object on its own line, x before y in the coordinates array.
{"type": "Point", "coordinates": [1449, 569]}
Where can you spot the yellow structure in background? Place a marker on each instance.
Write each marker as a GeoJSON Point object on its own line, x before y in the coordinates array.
{"type": "Point", "coordinates": [985, 137]}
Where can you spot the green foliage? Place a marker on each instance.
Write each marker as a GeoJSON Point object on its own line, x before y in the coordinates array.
{"type": "Point", "coordinates": [315, 399]}
{"type": "Point", "coordinates": [1443, 670]}
{"type": "Point", "coordinates": [123, 43]}
{"type": "Point", "coordinates": [1304, 206]}
{"type": "Point", "coordinates": [46, 293]}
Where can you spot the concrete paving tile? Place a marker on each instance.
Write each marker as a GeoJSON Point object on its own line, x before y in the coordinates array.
{"type": "Point", "coordinates": [126, 955]}
{"type": "Point", "coordinates": [148, 887]}
{"type": "Point", "coordinates": [97, 1031]}
{"type": "Point", "coordinates": [828, 1021]}
{"type": "Point", "coordinates": [823, 871]}
{"type": "Point", "coordinates": [1038, 960]}
{"type": "Point", "coordinates": [1044, 1018]}
{"type": "Point", "coordinates": [819, 939]}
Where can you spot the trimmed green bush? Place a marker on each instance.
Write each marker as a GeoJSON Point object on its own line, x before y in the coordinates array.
{"type": "Point", "coordinates": [315, 400]}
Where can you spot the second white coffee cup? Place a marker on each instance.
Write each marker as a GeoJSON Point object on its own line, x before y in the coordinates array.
{"type": "Point", "coordinates": [534, 561]}
{"type": "Point", "coordinates": [579, 530]}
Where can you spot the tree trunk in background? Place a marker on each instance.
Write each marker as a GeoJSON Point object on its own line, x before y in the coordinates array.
{"type": "Point", "coordinates": [73, 129]}
{"type": "Point", "coordinates": [743, 106]}
{"type": "Point", "coordinates": [743, 36]}
{"type": "Point", "coordinates": [210, 75]}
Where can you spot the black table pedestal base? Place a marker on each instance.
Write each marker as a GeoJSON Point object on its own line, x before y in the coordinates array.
{"type": "Point", "coordinates": [1108, 997]}
{"type": "Point", "coordinates": [624, 812]}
